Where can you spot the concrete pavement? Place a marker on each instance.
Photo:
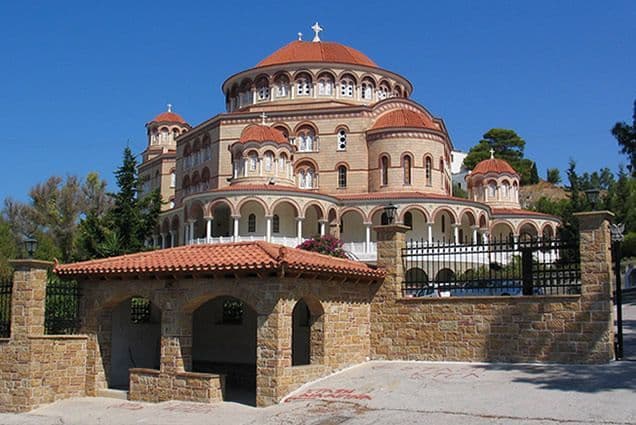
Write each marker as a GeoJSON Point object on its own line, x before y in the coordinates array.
{"type": "Point", "coordinates": [403, 393]}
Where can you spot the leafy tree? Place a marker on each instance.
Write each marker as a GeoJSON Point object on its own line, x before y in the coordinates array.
{"type": "Point", "coordinates": [508, 146]}
{"type": "Point", "coordinates": [125, 227]}
{"type": "Point", "coordinates": [553, 176]}
{"type": "Point", "coordinates": [9, 248]}
{"type": "Point", "coordinates": [625, 135]}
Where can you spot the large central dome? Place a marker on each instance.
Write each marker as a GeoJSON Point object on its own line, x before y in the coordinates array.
{"type": "Point", "coordinates": [320, 51]}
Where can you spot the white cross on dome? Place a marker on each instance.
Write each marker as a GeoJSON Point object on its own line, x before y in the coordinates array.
{"type": "Point", "coordinates": [316, 28]}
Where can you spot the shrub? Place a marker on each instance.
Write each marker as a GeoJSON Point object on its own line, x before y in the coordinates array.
{"type": "Point", "coordinates": [328, 245]}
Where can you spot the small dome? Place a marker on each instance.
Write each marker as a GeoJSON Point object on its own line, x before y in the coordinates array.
{"type": "Point", "coordinates": [321, 51]}
{"type": "Point", "coordinates": [493, 165]}
{"type": "Point", "coordinates": [262, 133]}
{"type": "Point", "coordinates": [169, 117]}
{"type": "Point", "coordinates": [404, 118]}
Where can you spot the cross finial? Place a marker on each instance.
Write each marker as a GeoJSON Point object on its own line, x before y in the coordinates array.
{"type": "Point", "coordinates": [263, 117]}
{"type": "Point", "coordinates": [300, 36]}
{"type": "Point", "coordinates": [316, 28]}
{"type": "Point", "coordinates": [169, 107]}
{"type": "Point", "coordinates": [492, 153]}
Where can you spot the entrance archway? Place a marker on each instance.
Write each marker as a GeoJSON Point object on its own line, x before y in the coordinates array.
{"type": "Point", "coordinates": [135, 339]}
{"type": "Point", "coordinates": [307, 332]}
{"type": "Point", "coordinates": [224, 342]}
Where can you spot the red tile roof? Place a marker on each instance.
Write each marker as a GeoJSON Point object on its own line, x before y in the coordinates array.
{"type": "Point", "coordinates": [397, 195]}
{"type": "Point", "coordinates": [493, 165]}
{"type": "Point", "coordinates": [404, 118]}
{"type": "Point", "coordinates": [262, 133]}
{"type": "Point", "coordinates": [168, 117]}
{"type": "Point", "coordinates": [219, 258]}
{"type": "Point", "coordinates": [323, 51]}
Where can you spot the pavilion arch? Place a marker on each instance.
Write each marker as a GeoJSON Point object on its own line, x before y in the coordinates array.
{"type": "Point", "coordinates": [419, 208]}
{"type": "Point", "coordinates": [527, 228]}
{"type": "Point", "coordinates": [449, 211]}
{"type": "Point", "coordinates": [210, 206]}
{"type": "Point", "coordinates": [312, 222]}
{"type": "Point", "coordinates": [252, 213]}
{"type": "Point", "coordinates": [221, 212]}
{"type": "Point", "coordinates": [279, 74]}
{"type": "Point", "coordinates": [302, 72]}
{"type": "Point", "coordinates": [501, 230]}
{"type": "Point", "coordinates": [197, 213]}
{"type": "Point", "coordinates": [375, 215]}
{"type": "Point", "coordinates": [165, 226]}
{"type": "Point", "coordinates": [468, 217]}
{"type": "Point", "coordinates": [285, 213]}
{"type": "Point", "coordinates": [348, 74]}
{"type": "Point", "coordinates": [135, 336]}
{"type": "Point", "coordinates": [444, 220]}
{"type": "Point", "coordinates": [483, 221]}
{"type": "Point", "coordinates": [548, 231]}
{"type": "Point", "coordinates": [224, 341]}
{"type": "Point", "coordinates": [307, 332]}
{"type": "Point", "coordinates": [352, 225]}
{"type": "Point", "coordinates": [283, 128]}
{"type": "Point", "coordinates": [416, 218]}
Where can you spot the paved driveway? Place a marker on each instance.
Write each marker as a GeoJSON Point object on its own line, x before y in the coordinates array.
{"type": "Point", "coordinates": [402, 393]}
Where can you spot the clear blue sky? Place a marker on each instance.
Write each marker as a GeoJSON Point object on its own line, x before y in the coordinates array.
{"type": "Point", "coordinates": [80, 79]}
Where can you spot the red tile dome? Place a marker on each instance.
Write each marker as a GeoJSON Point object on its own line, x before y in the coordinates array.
{"type": "Point", "coordinates": [404, 118]}
{"type": "Point", "coordinates": [494, 165]}
{"type": "Point", "coordinates": [262, 133]}
{"type": "Point", "coordinates": [169, 117]}
{"type": "Point", "coordinates": [321, 51]}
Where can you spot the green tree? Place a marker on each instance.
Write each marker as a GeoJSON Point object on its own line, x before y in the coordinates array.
{"type": "Point", "coordinates": [8, 248]}
{"type": "Point", "coordinates": [553, 176]}
{"type": "Point", "coordinates": [125, 227]}
{"type": "Point", "coordinates": [625, 135]}
{"type": "Point", "coordinates": [507, 145]}
{"type": "Point", "coordinates": [459, 192]}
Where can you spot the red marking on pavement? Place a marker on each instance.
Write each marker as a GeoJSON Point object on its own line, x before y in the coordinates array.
{"type": "Point", "coordinates": [330, 394]}
{"type": "Point", "coordinates": [189, 408]}
{"type": "Point", "coordinates": [127, 406]}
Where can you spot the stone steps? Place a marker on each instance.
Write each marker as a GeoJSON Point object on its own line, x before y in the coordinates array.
{"type": "Point", "coordinates": [112, 393]}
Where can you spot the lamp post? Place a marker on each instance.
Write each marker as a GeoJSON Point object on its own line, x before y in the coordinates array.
{"type": "Point", "coordinates": [390, 210]}
{"type": "Point", "coordinates": [616, 231]}
{"type": "Point", "coordinates": [30, 245]}
{"type": "Point", "coordinates": [592, 197]}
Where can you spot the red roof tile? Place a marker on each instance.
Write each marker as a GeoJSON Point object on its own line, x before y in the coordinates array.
{"type": "Point", "coordinates": [168, 117]}
{"type": "Point", "coordinates": [262, 133]}
{"type": "Point", "coordinates": [240, 256]}
{"type": "Point", "coordinates": [323, 51]}
{"type": "Point", "coordinates": [406, 118]}
{"type": "Point", "coordinates": [493, 165]}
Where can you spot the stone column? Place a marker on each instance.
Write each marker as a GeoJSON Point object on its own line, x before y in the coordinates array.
{"type": "Point", "coordinates": [475, 235]}
{"type": "Point", "coordinates": [596, 286]}
{"type": "Point", "coordinates": [162, 240]}
{"type": "Point", "coordinates": [268, 228]}
{"type": "Point", "coordinates": [299, 229]}
{"type": "Point", "coordinates": [208, 229]}
{"type": "Point", "coordinates": [456, 234]}
{"type": "Point", "coordinates": [172, 232]}
{"type": "Point", "coordinates": [28, 298]}
{"type": "Point", "coordinates": [367, 244]}
{"type": "Point", "coordinates": [430, 232]}
{"type": "Point", "coordinates": [191, 231]}
{"type": "Point", "coordinates": [323, 224]}
{"type": "Point", "coordinates": [236, 219]}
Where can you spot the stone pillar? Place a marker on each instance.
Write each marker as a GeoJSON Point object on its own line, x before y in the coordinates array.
{"type": "Point", "coordinates": [162, 240]}
{"type": "Point", "coordinates": [475, 235]}
{"type": "Point", "coordinates": [191, 231]}
{"type": "Point", "coordinates": [430, 233]}
{"type": "Point", "coordinates": [28, 298]}
{"type": "Point", "coordinates": [299, 229]}
{"type": "Point", "coordinates": [456, 234]}
{"type": "Point", "coordinates": [236, 227]}
{"type": "Point", "coordinates": [268, 228]}
{"type": "Point", "coordinates": [208, 228]}
{"type": "Point", "coordinates": [367, 244]}
{"type": "Point", "coordinates": [172, 234]}
{"type": "Point", "coordinates": [391, 239]}
{"type": "Point", "coordinates": [323, 224]}
{"type": "Point", "coordinates": [596, 285]}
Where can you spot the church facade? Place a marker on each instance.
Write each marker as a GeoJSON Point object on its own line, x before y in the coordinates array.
{"type": "Point", "coordinates": [316, 139]}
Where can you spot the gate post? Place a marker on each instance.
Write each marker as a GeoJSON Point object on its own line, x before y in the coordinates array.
{"type": "Point", "coordinates": [28, 298]}
{"type": "Point", "coordinates": [596, 284]}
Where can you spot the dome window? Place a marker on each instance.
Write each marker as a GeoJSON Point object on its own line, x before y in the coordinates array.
{"type": "Point", "coordinates": [303, 85]}
{"type": "Point", "coordinates": [366, 92]}
{"type": "Point", "coordinates": [325, 85]}
{"type": "Point", "coordinates": [383, 92]}
{"type": "Point", "coordinates": [346, 87]}
{"type": "Point", "coordinates": [342, 139]}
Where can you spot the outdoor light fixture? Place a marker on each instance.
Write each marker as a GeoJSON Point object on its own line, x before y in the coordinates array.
{"type": "Point", "coordinates": [390, 210]}
{"type": "Point", "coordinates": [592, 196]}
{"type": "Point", "coordinates": [30, 245]}
{"type": "Point", "coordinates": [616, 232]}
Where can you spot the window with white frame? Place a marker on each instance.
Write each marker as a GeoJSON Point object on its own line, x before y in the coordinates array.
{"type": "Point", "coordinates": [505, 190]}
{"type": "Point", "coordinates": [263, 93]}
{"type": "Point", "coordinates": [303, 86]}
{"type": "Point", "coordinates": [366, 92]}
{"type": "Point", "coordinates": [269, 160]}
{"type": "Point", "coordinates": [173, 178]}
{"type": "Point", "coordinates": [306, 177]}
{"type": "Point", "coordinates": [383, 92]}
{"type": "Point", "coordinates": [282, 87]}
{"type": "Point", "coordinates": [346, 87]}
{"type": "Point", "coordinates": [306, 139]}
{"type": "Point", "coordinates": [251, 223]}
{"type": "Point", "coordinates": [492, 190]}
{"type": "Point", "coordinates": [342, 139]}
{"type": "Point", "coordinates": [253, 161]}
{"type": "Point", "coordinates": [325, 85]}
{"type": "Point", "coordinates": [384, 170]}
{"type": "Point", "coordinates": [428, 171]}
{"type": "Point", "coordinates": [282, 161]}
{"type": "Point", "coordinates": [406, 165]}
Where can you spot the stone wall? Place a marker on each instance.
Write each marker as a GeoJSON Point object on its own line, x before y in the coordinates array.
{"type": "Point", "coordinates": [37, 368]}
{"type": "Point", "coordinates": [153, 386]}
{"type": "Point", "coordinates": [568, 329]}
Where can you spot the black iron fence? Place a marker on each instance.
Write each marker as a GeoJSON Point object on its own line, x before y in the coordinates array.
{"type": "Point", "coordinates": [5, 307]}
{"type": "Point", "coordinates": [61, 315]}
{"type": "Point", "coordinates": [500, 267]}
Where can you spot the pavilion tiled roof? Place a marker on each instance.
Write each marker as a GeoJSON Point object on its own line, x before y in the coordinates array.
{"type": "Point", "coordinates": [262, 133]}
{"type": "Point", "coordinates": [169, 117]}
{"type": "Point", "coordinates": [519, 212]}
{"type": "Point", "coordinates": [493, 165]}
{"type": "Point", "coordinates": [404, 118]}
{"type": "Point", "coordinates": [219, 258]}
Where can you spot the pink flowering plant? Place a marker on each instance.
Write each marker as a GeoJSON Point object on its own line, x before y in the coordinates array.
{"type": "Point", "coordinates": [327, 244]}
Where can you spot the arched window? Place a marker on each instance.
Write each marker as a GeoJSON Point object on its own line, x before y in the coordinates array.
{"type": "Point", "coordinates": [366, 91]}
{"type": "Point", "coordinates": [505, 190]}
{"type": "Point", "coordinates": [173, 178]}
{"type": "Point", "coordinates": [443, 224]}
{"type": "Point", "coordinates": [262, 89]}
{"type": "Point", "coordinates": [269, 160]}
{"type": "Point", "coordinates": [342, 177]}
{"type": "Point", "coordinates": [276, 224]}
{"type": "Point", "coordinates": [165, 133]}
{"type": "Point", "coordinates": [305, 139]}
{"type": "Point", "coordinates": [303, 85]}
{"type": "Point", "coordinates": [325, 85]}
{"type": "Point", "coordinates": [384, 170]}
{"type": "Point", "coordinates": [406, 165]}
{"type": "Point", "coordinates": [342, 139]}
{"type": "Point", "coordinates": [346, 87]}
{"type": "Point", "coordinates": [306, 177]}
{"type": "Point", "coordinates": [253, 159]}
{"type": "Point", "coordinates": [282, 86]}
{"type": "Point", "coordinates": [428, 171]}
{"type": "Point", "coordinates": [492, 190]}
{"type": "Point", "coordinates": [383, 92]}
{"type": "Point", "coordinates": [384, 219]}
{"type": "Point", "coordinates": [282, 161]}
{"type": "Point", "coordinates": [408, 220]}
{"type": "Point", "coordinates": [251, 223]}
